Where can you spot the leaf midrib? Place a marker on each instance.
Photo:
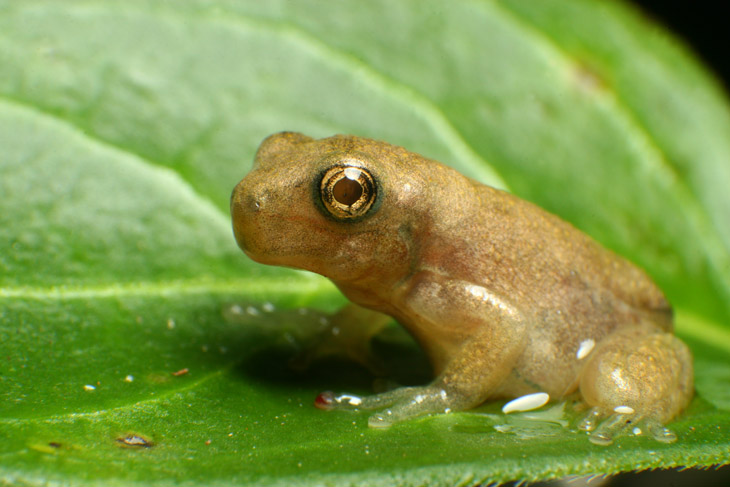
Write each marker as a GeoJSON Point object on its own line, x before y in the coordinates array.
{"type": "Point", "coordinates": [259, 285]}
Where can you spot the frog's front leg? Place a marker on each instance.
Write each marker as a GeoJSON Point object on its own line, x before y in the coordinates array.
{"type": "Point", "coordinates": [347, 334]}
{"type": "Point", "coordinates": [473, 338]}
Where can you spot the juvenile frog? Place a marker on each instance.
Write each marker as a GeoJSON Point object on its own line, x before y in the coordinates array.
{"type": "Point", "coordinates": [506, 299]}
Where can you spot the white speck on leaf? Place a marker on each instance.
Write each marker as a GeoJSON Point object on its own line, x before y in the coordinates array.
{"type": "Point", "coordinates": [527, 402]}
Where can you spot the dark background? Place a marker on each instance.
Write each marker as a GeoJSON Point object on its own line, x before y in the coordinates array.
{"type": "Point", "coordinates": [703, 25]}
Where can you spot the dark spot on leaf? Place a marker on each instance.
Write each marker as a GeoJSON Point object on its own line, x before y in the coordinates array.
{"type": "Point", "coordinates": [134, 440]}
{"type": "Point", "coordinates": [54, 444]}
{"type": "Point", "coordinates": [589, 79]}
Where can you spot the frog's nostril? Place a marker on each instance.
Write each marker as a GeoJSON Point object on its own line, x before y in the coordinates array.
{"type": "Point", "coordinates": [256, 201]}
{"type": "Point", "coordinates": [245, 200]}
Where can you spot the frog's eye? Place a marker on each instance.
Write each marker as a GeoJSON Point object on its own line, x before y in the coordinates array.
{"type": "Point", "coordinates": [347, 191]}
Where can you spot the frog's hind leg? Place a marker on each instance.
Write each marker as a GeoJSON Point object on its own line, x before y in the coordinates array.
{"type": "Point", "coordinates": [637, 380]}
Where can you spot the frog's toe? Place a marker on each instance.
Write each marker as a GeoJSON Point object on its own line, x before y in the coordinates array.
{"type": "Point", "coordinates": [624, 425]}
{"type": "Point", "coordinates": [399, 404]}
{"type": "Point", "coordinates": [658, 431]}
{"type": "Point", "coordinates": [604, 427]}
{"type": "Point", "coordinates": [381, 420]}
{"type": "Point", "coordinates": [418, 401]}
{"type": "Point", "coordinates": [591, 419]}
{"type": "Point", "coordinates": [400, 412]}
{"type": "Point", "coordinates": [329, 400]}
{"type": "Point", "coordinates": [615, 425]}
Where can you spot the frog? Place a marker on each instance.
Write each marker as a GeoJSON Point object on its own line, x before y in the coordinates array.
{"type": "Point", "coordinates": [506, 299]}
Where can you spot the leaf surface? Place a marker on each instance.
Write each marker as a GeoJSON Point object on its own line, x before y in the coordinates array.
{"type": "Point", "coordinates": [127, 314]}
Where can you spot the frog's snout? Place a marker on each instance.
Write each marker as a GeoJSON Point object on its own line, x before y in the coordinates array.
{"type": "Point", "coordinates": [245, 205]}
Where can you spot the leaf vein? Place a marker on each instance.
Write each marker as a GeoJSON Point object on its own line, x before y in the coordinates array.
{"type": "Point", "coordinates": [654, 155]}
{"type": "Point", "coordinates": [93, 138]}
{"type": "Point", "coordinates": [60, 418]}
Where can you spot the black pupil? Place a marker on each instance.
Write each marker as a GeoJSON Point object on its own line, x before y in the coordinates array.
{"type": "Point", "coordinates": [347, 191]}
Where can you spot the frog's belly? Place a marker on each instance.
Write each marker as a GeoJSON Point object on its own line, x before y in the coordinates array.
{"type": "Point", "coordinates": [553, 358]}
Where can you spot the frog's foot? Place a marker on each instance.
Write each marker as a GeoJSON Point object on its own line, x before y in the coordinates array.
{"type": "Point", "coordinates": [400, 404]}
{"type": "Point", "coordinates": [346, 334]}
{"type": "Point", "coordinates": [605, 427]}
{"type": "Point", "coordinates": [326, 345]}
{"type": "Point", "coordinates": [636, 381]}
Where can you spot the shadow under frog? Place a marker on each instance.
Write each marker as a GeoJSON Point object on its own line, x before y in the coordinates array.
{"type": "Point", "coordinates": [505, 299]}
{"type": "Point", "coordinates": [291, 347]}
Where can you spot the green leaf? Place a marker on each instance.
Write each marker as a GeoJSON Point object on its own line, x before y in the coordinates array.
{"type": "Point", "coordinates": [124, 126]}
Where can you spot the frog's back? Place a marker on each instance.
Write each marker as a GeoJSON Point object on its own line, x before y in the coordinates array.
{"type": "Point", "coordinates": [547, 261]}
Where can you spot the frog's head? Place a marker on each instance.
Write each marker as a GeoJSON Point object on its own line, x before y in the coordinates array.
{"type": "Point", "coordinates": [342, 207]}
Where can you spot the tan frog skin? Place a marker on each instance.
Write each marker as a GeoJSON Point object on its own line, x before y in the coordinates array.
{"type": "Point", "coordinates": [505, 298]}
